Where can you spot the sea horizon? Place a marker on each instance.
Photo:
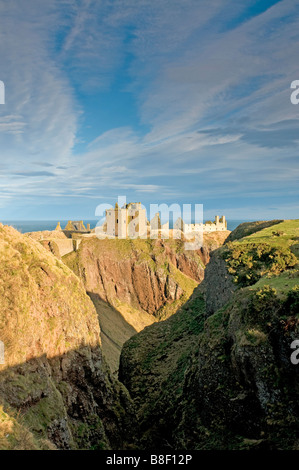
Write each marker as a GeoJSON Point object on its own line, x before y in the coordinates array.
{"type": "Point", "coordinates": [26, 226]}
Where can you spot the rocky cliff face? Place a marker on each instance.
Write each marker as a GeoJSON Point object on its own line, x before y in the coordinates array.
{"type": "Point", "coordinates": [54, 378]}
{"type": "Point", "coordinates": [215, 375]}
{"type": "Point", "coordinates": [140, 273]}
{"type": "Point", "coordinates": [218, 283]}
{"type": "Point", "coordinates": [134, 283]}
{"type": "Point", "coordinates": [226, 382]}
{"type": "Point", "coordinates": [224, 379]}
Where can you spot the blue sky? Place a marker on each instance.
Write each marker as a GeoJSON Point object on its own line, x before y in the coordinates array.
{"type": "Point", "coordinates": [171, 101]}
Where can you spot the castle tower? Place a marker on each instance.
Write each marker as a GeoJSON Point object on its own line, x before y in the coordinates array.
{"type": "Point", "coordinates": [58, 227]}
{"type": "Point", "coordinates": [217, 219]}
{"type": "Point", "coordinates": [127, 221]}
{"type": "Point", "coordinates": [223, 222]}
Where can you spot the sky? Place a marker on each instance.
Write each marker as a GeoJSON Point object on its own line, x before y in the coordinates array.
{"type": "Point", "coordinates": [161, 101]}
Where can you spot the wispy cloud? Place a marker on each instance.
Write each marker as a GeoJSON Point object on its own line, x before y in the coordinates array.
{"type": "Point", "coordinates": [210, 81]}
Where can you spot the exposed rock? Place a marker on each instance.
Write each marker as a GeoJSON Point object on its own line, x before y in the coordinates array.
{"type": "Point", "coordinates": [135, 272]}
{"type": "Point", "coordinates": [222, 380]}
{"type": "Point", "coordinates": [141, 280]}
{"type": "Point", "coordinates": [54, 373]}
{"type": "Point", "coordinates": [218, 283]}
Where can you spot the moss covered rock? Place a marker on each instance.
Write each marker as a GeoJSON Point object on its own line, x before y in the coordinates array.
{"type": "Point", "coordinates": [54, 375]}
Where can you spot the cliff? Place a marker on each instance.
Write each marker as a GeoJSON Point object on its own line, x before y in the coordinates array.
{"type": "Point", "coordinates": [134, 283]}
{"type": "Point", "coordinates": [223, 379]}
{"type": "Point", "coordinates": [56, 390]}
{"type": "Point", "coordinates": [216, 374]}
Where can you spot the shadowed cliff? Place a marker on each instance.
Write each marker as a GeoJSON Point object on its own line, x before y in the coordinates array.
{"type": "Point", "coordinates": [218, 374]}
{"type": "Point", "coordinates": [55, 387]}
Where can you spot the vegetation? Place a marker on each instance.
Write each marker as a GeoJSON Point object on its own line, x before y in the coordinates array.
{"type": "Point", "coordinates": [15, 435]}
{"type": "Point", "coordinates": [54, 372]}
{"type": "Point", "coordinates": [162, 354]}
{"type": "Point", "coordinates": [248, 228]}
{"type": "Point", "coordinates": [225, 381]}
{"type": "Point", "coordinates": [136, 281]}
{"type": "Point", "coordinates": [217, 380]}
{"type": "Point", "coordinates": [263, 253]}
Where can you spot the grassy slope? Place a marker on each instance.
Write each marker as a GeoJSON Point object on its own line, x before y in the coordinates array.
{"type": "Point", "coordinates": [289, 234]}
{"type": "Point", "coordinates": [267, 257]}
{"type": "Point", "coordinates": [57, 303]}
{"type": "Point", "coordinates": [14, 434]}
{"type": "Point", "coordinates": [247, 228]}
{"type": "Point", "coordinates": [226, 382]}
{"type": "Point", "coordinates": [115, 331]}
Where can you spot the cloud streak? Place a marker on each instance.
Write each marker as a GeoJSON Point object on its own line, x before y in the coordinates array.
{"type": "Point", "coordinates": [210, 82]}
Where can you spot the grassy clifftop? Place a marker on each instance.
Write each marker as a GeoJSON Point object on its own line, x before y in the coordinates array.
{"type": "Point", "coordinates": [267, 253]}
{"type": "Point", "coordinates": [247, 228]}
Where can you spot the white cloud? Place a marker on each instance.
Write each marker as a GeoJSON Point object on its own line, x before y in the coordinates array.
{"type": "Point", "coordinates": [207, 92]}
{"type": "Point", "coordinates": [39, 114]}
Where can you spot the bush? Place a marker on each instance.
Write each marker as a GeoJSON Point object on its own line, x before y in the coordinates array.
{"type": "Point", "coordinates": [249, 262]}
{"type": "Point", "coordinates": [279, 233]}
{"type": "Point", "coordinates": [263, 306]}
{"type": "Point", "coordinates": [292, 301]}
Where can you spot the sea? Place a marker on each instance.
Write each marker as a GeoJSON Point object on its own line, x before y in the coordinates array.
{"type": "Point", "coordinates": [25, 226]}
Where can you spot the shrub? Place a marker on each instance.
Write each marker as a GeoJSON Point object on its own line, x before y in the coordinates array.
{"type": "Point", "coordinates": [249, 262]}
{"type": "Point", "coordinates": [264, 306]}
{"type": "Point", "coordinates": [292, 301]}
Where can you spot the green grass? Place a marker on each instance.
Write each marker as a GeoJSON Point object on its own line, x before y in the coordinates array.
{"type": "Point", "coordinates": [289, 234]}
{"type": "Point", "coordinates": [15, 435]}
{"type": "Point", "coordinates": [282, 283]}
{"type": "Point", "coordinates": [247, 228]}
{"type": "Point", "coordinates": [267, 252]}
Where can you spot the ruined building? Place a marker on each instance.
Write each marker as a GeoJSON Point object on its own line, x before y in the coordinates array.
{"type": "Point", "coordinates": [73, 227]}
{"type": "Point", "coordinates": [128, 221]}
{"type": "Point", "coordinates": [219, 225]}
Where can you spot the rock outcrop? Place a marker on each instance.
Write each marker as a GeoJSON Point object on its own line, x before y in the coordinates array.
{"type": "Point", "coordinates": [224, 380]}
{"type": "Point", "coordinates": [218, 283]}
{"type": "Point", "coordinates": [139, 273]}
{"type": "Point", "coordinates": [134, 283]}
{"type": "Point", "coordinates": [54, 377]}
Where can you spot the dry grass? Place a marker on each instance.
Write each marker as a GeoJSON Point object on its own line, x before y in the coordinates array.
{"type": "Point", "coordinates": [42, 302]}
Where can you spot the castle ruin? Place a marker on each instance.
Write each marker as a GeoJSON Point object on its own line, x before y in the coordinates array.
{"type": "Point", "coordinates": [74, 227]}
{"type": "Point", "coordinates": [130, 221]}
{"type": "Point", "coordinates": [219, 225]}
